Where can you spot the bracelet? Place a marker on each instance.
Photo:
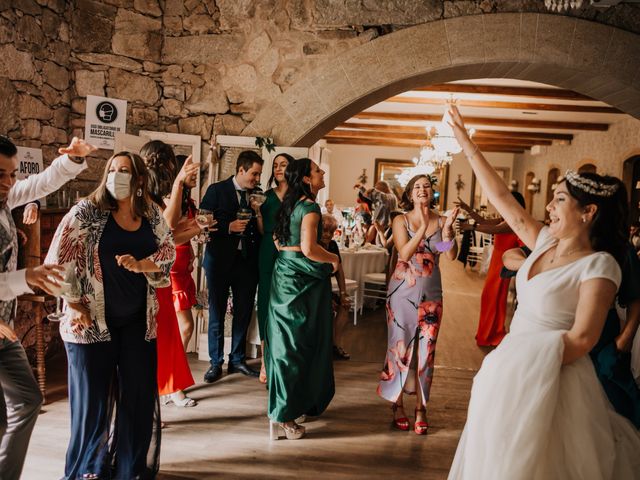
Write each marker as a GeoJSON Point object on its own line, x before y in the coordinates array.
{"type": "Point", "coordinates": [78, 160]}
{"type": "Point", "coordinates": [475, 150]}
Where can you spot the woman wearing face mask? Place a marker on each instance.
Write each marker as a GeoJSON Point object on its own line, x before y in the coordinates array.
{"type": "Point", "coordinates": [298, 334]}
{"type": "Point", "coordinates": [537, 410]}
{"type": "Point", "coordinates": [414, 301]}
{"type": "Point", "coordinates": [118, 249]}
{"type": "Point", "coordinates": [165, 189]}
{"type": "Point", "coordinates": [266, 215]}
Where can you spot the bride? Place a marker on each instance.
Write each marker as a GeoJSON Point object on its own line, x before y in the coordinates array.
{"type": "Point", "coordinates": [537, 410]}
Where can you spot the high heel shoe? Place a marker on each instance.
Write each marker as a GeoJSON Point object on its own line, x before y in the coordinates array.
{"type": "Point", "coordinates": [420, 427]}
{"type": "Point", "coordinates": [401, 423]}
{"type": "Point", "coordinates": [292, 432]}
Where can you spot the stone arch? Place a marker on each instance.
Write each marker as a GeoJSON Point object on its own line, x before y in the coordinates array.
{"type": "Point", "coordinates": [590, 58]}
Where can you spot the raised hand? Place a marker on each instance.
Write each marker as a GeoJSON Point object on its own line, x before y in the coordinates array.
{"type": "Point", "coordinates": [78, 148]}
{"type": "Point", "coordinates": [459, 129]}
{"type": "Point", "coordinates": [189, 171]}
{"type": "Point", "coordinates": [30, 214]}
{"type": "Point", "coordinates": [460, 203]}
{"type": "Point", "coordinates": [451, 218]}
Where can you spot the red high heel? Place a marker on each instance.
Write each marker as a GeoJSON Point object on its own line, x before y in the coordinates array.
{"type": "Point", "coordinates": [401, 423]}
{"type": "Point", "coordinates": [420, 427]}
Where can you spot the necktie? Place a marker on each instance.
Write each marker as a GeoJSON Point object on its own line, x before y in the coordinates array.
{"type": "Point", "coordinates": [243, 241]}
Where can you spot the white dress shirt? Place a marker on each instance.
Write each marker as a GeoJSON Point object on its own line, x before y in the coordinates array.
{"type": "Point", "coordinates": [24, 191]}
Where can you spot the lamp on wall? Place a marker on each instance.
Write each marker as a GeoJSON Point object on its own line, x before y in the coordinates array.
{"type": "Point", "coordinates": [513, 186]}
{"type": "Point", "coordinates": [534, 186]}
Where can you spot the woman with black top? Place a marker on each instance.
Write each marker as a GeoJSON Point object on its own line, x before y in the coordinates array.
{"type": "Point", "coordinates": [116, 249]}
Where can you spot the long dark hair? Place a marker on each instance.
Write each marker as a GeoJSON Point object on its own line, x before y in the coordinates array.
{"type": "Point", "coordinates": [297, 188]}
{"type": "Point", "coordinates": [103, 200]}
{"type": "Point", "coordinates": [609, 229]}
{"type": "Point", "coordinates": [161, 163]}
{"type": "Point", "coordinates": [272, 178]}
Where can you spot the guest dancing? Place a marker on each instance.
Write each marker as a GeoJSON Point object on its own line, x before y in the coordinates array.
{"type": "Point", "coordinates": [118, 249]}
{"type": "Point", "coordinates": [537, 409]}
{"type": "Point", "coordinates": [493, 302]}
{"type": "Point", "coordinates": [298, 334]}
{"type": "Point", "coordinates": [231, 262]}
{"type": "Point", "coordinates": [20, 397]}
{"type": "Point", "coordinates": [266, 215]}
{"type": "Point", "coordinates": [165, 189]}
{"type": "Point", "coordinates": [182, 285]}
{"type": "Point", "coordinates": [414, 301]}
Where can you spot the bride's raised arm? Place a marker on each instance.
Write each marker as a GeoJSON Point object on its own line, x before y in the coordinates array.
{"type": "Point", "coordinates": [520, 221]}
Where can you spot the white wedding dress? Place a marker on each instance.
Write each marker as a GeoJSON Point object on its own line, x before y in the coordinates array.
{"type": "Point", "coordinates": [530, 417]}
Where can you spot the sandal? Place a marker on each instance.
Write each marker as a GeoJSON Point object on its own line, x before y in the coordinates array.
{"type": "Point", "coordinates": [401, 423]}
{"type": "Point", "coordinates": [185, 402]}
{"type": "Point", "coordinates": [420, 427]}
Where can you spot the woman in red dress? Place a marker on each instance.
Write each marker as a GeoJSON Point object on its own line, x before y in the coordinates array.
{"type": "Point", "coordinates": [165, 188]}
{"type": "Point", "coordinates": [493, 303]}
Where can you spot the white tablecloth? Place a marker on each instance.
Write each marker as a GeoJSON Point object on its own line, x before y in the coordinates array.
{"type": "Point", "coordinates": [356, 264]}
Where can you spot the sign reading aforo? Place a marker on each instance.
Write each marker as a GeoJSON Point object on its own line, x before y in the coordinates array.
{"type": "Point", "coordinates": [104, 118]}
{"type": "Point", "coordinates": [30, 163]}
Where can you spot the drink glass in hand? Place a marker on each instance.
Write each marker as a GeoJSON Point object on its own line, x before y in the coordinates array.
{"type": "Point", "coordinates": [63, 288]}
{"type": "Point", "coordinates": [204, 219]}
{"type": "Point", "coordinates": [244, 214]}
{"type": "Point", "coordinates": [257, 197]}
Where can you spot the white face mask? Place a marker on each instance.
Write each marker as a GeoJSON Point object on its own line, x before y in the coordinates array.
{"type": "Point", "coordinates": [119, 184]}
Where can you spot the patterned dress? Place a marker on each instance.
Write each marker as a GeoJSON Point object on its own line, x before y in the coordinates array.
{"type": "Point", "coordinates": [414, 311]}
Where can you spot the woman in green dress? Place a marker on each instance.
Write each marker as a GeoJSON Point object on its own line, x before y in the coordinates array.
{"type": "Point", "coordinates": [266, 214]}
{"type": "Point", "coordinates": [299, 325]}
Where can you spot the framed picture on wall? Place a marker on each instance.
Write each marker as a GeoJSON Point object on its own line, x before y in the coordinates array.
{"type": "Point", "coordinates": [387, 169]}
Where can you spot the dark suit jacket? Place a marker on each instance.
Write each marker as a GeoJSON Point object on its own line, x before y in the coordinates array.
{"type": "Point", "coordinates": [221, 198]}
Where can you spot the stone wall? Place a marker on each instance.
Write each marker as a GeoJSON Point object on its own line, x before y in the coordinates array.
{"type": "Point", "coordinates": [606, 150]}
{"type": "Point", "coordinates": [194, 66]}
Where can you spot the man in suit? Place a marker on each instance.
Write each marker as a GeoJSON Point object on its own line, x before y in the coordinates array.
{"type": "Point", "coordinates": [231, 261]}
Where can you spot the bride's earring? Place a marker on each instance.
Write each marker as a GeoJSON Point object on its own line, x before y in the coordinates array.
{"type": "Point", "coordinates": [139, 193]}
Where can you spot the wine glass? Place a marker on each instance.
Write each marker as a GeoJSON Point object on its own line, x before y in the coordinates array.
{"type": "Point", "coordinates": [244, 214]}
{"type": "Point", "coordinates": [62, 288]}
{"type": "Point", "coordinates": [257, 197]}
{"type": "Point", "coordinates": [204, 219]}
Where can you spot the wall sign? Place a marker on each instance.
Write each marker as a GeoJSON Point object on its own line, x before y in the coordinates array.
{"type": "Point", "coordinates": [30, 163]}
{"type": "Point", "coordinates": [104, 118]}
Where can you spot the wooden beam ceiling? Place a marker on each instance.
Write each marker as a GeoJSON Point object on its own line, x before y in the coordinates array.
{"type": "Point", "coordinates": [549, 107]}
{"type": "Point", "coordinates": [414, 144]}
{"type": "Point", "coordinates": [488, 133]}
{"type": "Point", "coordinates": [503, 90]}
{"type": "Point", "coordinates": [496, 122]}
{"type": "Point", "coordinates": [421, 137]}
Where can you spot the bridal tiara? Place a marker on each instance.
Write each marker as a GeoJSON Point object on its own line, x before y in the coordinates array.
{"type": "Point", "coordinates": [590, 186]}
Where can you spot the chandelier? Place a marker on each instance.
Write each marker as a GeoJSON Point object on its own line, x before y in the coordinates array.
{"type": "Point", "coordinates": [437, 153]}
{"type": "Point", "coordinates": [562, 5]}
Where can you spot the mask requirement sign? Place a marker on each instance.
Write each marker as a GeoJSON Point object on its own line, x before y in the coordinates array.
{"type": "Point", "coordinates": [104, 118]}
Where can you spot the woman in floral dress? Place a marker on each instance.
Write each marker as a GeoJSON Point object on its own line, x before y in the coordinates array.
{"type": "Point", "coordinates": [414, 301]}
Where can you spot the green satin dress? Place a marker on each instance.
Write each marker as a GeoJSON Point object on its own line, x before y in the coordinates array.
{"type": "Point", "coordinates": [267, 256]}
{"type": "Point", "coordinates": [299, 330]}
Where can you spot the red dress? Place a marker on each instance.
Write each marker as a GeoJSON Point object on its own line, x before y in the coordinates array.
{"type": "Point", "coordinates": [493, 305]}
{"type": "Point", "coordinates": [173, 368]}
{"type": "Point", "coordinates": [182, 284]}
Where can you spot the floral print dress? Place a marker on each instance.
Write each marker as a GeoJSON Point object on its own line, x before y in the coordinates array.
{"type": "Point", "coordinates": [414, 311]}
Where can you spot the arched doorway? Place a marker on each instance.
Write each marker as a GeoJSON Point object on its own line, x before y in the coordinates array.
{"type": "Point", "coordinates": [631, 178]}
{"type": "Point", "coordinates": [552, 180]}
{"type": "Point", "coordinates": [528, 194]}
{"type": "Point", "coordinates": [590, 58]}
{"type": "Point", "coordinates": [587, 168]}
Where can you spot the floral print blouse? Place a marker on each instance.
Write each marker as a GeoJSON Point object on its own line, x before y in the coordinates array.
{"type": "Point", "coordinates": [75, 246]}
